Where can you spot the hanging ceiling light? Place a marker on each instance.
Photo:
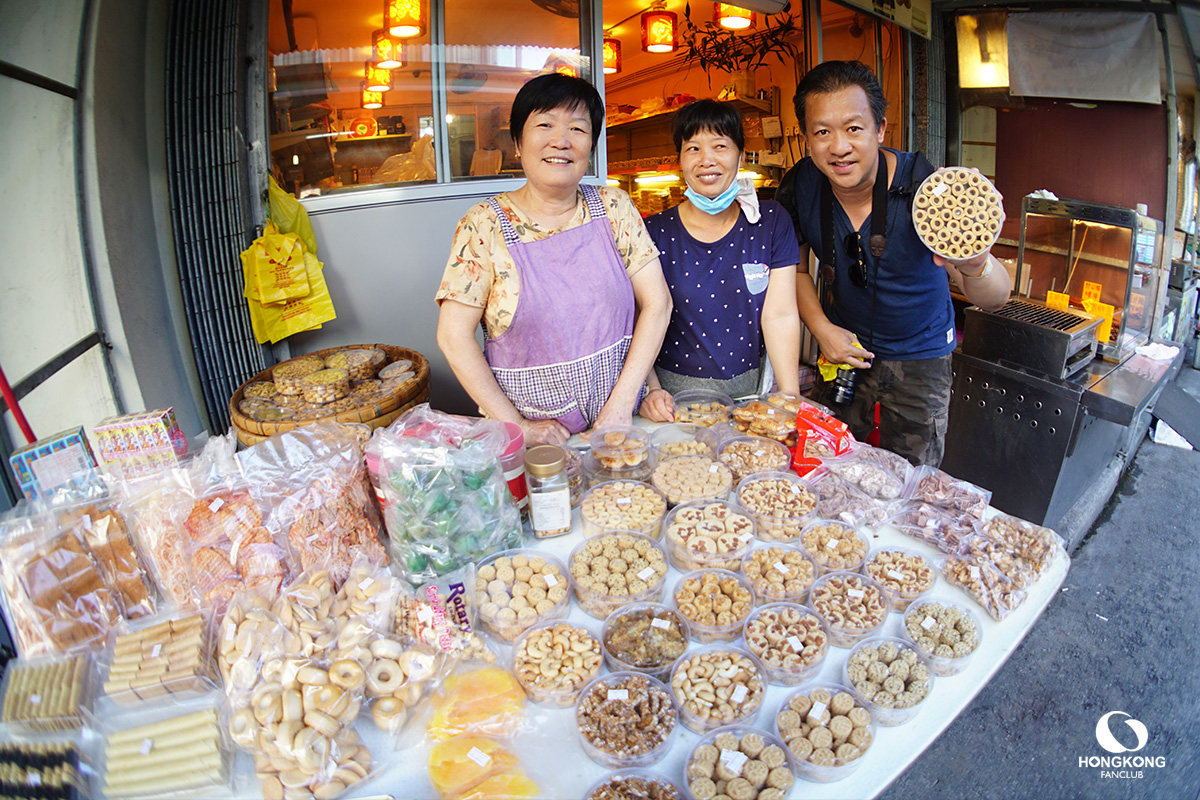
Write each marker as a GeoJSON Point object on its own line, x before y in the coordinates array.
{"type": "Point", "coordinates": [612, 55]}
{"type": "Point", "coordinates": [732, 17]}
{"type": "Point", "coordinates": [370, 97]}
{"type": "Point", "coordinates": [659, 29]}
{"type": "Point", "coordinates": [404, 18]}
{"type": "Point", "coordinates": [378, 78]}
{"type": "Point", "coordinates": [386, 50]}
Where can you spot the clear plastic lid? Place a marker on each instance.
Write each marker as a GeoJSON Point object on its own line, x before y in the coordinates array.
{"type": "Point", "coordinates": [826, 729]}
{"type": "Point", "coordinates": [890, 677]}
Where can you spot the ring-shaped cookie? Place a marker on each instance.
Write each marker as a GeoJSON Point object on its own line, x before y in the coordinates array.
{"type": "Point", "coordinates": [384, 677]}
{"type": "Point", "coordinates": [347, 674]}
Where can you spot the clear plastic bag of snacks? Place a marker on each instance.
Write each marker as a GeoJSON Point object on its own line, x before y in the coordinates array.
{"type": "Point", "coordinates": [445, 500]}
{"type": "Point", "coordinates": [313, 483]}
{"type": "Point", "coordinates": [106, 536]}
{"type": "Point", "coordinates": [931, 485]}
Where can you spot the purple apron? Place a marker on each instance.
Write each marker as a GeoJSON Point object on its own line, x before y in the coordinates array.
{"type": "Point", "coordinates": [570, 333]}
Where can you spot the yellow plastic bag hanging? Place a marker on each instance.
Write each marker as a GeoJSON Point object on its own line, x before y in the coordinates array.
{"type": "Point", "coordinates": [291, 217]}
{"type": "Point", "coordinates": [275, 322]}
{"type": "Point", "coordinates": [273, 268]}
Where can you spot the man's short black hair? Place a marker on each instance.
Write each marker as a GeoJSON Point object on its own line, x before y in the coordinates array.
{"type": "Point", "coordinates": [555, 90]}
{"type": "Point", "coordinates": [723, 119]}
{"type": "Point", "coordinates": [833, 76]}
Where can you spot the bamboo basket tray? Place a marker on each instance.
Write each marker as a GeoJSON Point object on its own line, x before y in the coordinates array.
{"type": "Point", "coordinates": [413, 391]}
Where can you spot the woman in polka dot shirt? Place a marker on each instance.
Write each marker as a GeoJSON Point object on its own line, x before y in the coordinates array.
{"type": "Point", "coordinates": [730, 263]}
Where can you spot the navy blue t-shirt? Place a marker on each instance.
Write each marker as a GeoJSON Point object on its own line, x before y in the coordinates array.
{"type": "Point", "coordinates": [718, 289]}
{"type": "Point", "coordinates": [913, 315]}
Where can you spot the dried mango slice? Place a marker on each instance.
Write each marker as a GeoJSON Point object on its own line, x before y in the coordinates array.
{"type": "Point", "coordinates": [487, 701]}
{"type": "Point", "coordinates": [467, 761]}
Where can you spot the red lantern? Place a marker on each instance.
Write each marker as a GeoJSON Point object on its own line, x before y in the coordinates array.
{"type": "Point", "coordinates": [612, 55]}
{"type": "Point", "coordinates": [659, 30]}
{"type": "Point", "coordinates": [732, 17]}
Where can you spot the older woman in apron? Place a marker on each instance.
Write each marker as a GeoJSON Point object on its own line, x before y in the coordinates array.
{"type": "Point", "coordinates": [563, 276]}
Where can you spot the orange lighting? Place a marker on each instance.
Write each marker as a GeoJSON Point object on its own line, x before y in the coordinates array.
{"type": "Point", "coordinates": [732, 17]}
{"type": "Point", "coordinates": [566, 69]}
{"type": "Point", "coordinates": [378, 78]}
{"type": "Point", "coordinates": [612, 55]}
{"type": "Point", "coordinates": [404, 18]}
{"type": "Point", "coordinates": [658, 30]}
{"type": "Point", "coordinates": [371, 98]}
{"type": "Point", "coordinates": [386, 50]}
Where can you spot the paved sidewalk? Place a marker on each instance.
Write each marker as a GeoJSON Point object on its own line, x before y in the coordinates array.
{"type": "Point", "coordinates": [1122, 635]}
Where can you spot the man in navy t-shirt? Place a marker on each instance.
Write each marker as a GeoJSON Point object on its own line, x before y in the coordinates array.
{"type": "Point", "coordinates": [896, 305]}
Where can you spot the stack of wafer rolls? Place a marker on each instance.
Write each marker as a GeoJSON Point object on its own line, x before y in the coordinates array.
{"type": "Point", "coordinates": [957, 213]}
{"type": "Point", "coordinates": [176, 755]}
{"type": "Point", "coordinates": [46, 695]}
{"type": "Point", "coordinates": [167, 658]}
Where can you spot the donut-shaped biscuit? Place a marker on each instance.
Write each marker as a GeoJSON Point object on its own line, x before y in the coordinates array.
{"type": "Point", "coordinates": [386, 648]}
{"type": "Point", "coordinates": [347, 674]}
{"type": "Point", "coordinates": [322, 722]}
{"type": "Point", "coordinates": [384, 677]}
{"type": "Point", "coordinates": [385, 712]}
{"type": "Point", "coordinates": [327, 697]}
{"type": "Point", "coordinates": [312, 675]}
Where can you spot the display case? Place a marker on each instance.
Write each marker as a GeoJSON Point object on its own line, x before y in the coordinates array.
{"type": "Point", "coordinates": [1072, 247]}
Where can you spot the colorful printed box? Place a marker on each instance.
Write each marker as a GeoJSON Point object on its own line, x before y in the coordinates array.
{"type": "Point", "coordinates": [140, 443]}
{"type": "Point", "coordinates": [63, 461]}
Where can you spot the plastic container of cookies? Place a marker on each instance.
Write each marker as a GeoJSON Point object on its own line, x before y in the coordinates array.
{"type": "Point", "coordinates": [685, 478]}
{"type": "Point", "coordinates": [708, 533]}
{"type": "Point", "coordinates": [747, 687]}
{"type": "Point", "coordinates": [928, 625]}
{"type": "Point", "coordinates": [634, 782]}
{"type": "Point", "coordinates": [905, 575]}
{"type": "Point", "coordinates": [47, 694]}
{"type": "Point", "coordinates": [873, 673]}
{"type": "Point", "coordinates": [645, 638]}
{"type": "Point", "coordinates": [288, 377]}
{"type": "Point", "coordinates": [548, 581]}
{"type": "Point", "coordinates": [682, 439]}
{"type": "Point", "coordinates": [620, 446]}
{"type": "Point", "coordinates": [779, 573]}
{"type": "Point", "coordinates": [757, 417]}
{"type": "Point", "coordinates": [623, 506]}
{"type": "Point", "coordinates": [596, 562]}
{"type": "Point", "coordinates": [782, 503]}
{"type": "Point", "coordinates": [957, 213]}
{"type": "Point", "coordinates": [796, 721]}
{"type": "Point", "coordinates": [704, 595]}
{"type": "Point", "coordinates": [626, 719]}
{"type": "Point", "coordinates": [790, 640]}
{"type": "Point", "coordinates": [702, 407]}
{"type": "Point", "coordinates": [834, 545]}
{"type": "Point", "coordinates": [739, 753]}
{"type": "Point", "coordinates": [596, 473]}
{"type": "Point", "coordinates": [854, 606]}
{"type": "Point", "coordinates": [746, 455]}
{"type": "Point", "coordinates": [555, 689]}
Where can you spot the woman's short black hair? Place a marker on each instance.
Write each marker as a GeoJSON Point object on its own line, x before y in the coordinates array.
{"type": "Point", "coordinates": [555, 90]}
{"type": "Point", "coordinates": [833, 76]}
{"type": "Point", "coordinates": [723, 119]}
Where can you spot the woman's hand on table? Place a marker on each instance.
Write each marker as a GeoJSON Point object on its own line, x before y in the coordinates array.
{"type": "Point", "coordinates": [544, 431]}
{"type": "Point", "coordinates": [658, 406]}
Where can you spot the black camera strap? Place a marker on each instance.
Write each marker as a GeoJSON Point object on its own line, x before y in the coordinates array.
{"type": "Point", "coordinates": [875, 244]}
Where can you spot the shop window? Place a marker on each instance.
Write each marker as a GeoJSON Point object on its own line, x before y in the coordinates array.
{"type": "Point", "coordinates": [436, 119]}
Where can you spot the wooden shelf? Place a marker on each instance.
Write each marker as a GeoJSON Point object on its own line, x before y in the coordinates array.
{"type": "Point", "coordinates": [629, 125]}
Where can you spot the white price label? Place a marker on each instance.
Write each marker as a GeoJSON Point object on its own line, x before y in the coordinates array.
{"type": "Point", "coordinates": [366, 585]}
{"type": "Point", "coordinates": [624, 501]}
{"type": "Point", "coordinates": [154, 651]}
{"type": "Point", "coordinates": [894, 575]}
{"type": "Point", "coordinates": [660, 623]}
{"type": "Point", "coordinates": [816, 712]}
{"type": "Point", "coordinates": [618, 694]}
{"type": "Point", "coordinates": [425, 614]}
{"type": "Point", "coordinates": [215, 505]}
{"type": "Point", "coordinates": [551, 581]}
{"type": "Point", "coordinates": [735, 760]}
{"type": "Point", "coordinates": [33, 778]}
{"type": "Point", "coordinates": [974, 572]}
{"type": "Point", "coordinates": [940, 189]}
{"type": "Point", "coordinates": [35, 699]}
{"type": "Point", "coordinates": [796, 644]}
{"type": "Point", "coordinates": [771, 412]}
{"type": "Point", "coordinates": [646, 574]}
{"type": "Point", "coordinates": [928, 623]}
{"type": "Point", "coordinates": [759, 453]}
{"type": "Point", "coordinates": [479, 757]}
{"type": "Point", "coordinates": [832, 544]}
{"type": "Point", "coordinates": [87, 522]}
{"type": "Point", "coordinates": [796, 489]}
{"type": "Point", "coordinates": [745, 537]}
{"type": "Point", "coordinates": [713, 469]}
{"type": "Point", "coordinates": [739, 693]}
{"type": "Point", "coordinates": [147, 746]}
{"type": "Point", "coordinates": [782, 568]}
{"type": "Point", "coordinates": [857, 594]}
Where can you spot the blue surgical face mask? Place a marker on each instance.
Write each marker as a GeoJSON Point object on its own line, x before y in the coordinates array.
{"type": "Point", "coordinates": [713, 205]}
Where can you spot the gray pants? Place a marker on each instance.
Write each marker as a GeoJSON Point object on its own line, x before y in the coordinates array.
{"type": "Point", "coordinates": [914, 404]}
